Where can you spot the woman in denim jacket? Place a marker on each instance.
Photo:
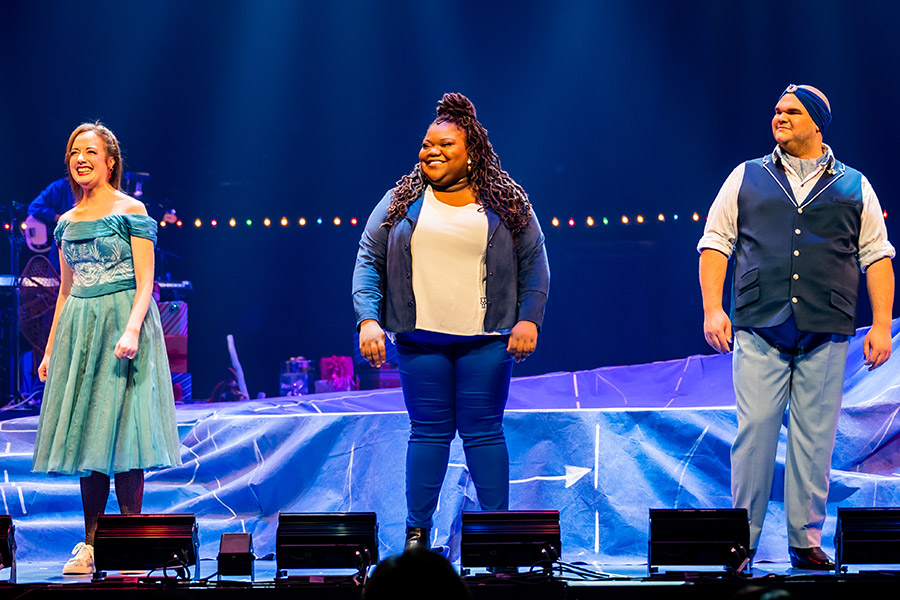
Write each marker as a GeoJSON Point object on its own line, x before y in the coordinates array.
{"type": "Point", "coordinates": [452, 262]}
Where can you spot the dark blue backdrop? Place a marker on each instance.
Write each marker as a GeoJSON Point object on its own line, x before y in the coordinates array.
{"type": "Point", "coordinates": [255, 108]}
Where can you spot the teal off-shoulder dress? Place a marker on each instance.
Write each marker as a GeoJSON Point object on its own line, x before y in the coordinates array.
{"type": "Point", "coordinates": [101, 413]}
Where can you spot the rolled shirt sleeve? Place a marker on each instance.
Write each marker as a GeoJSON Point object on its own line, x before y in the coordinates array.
{"type": "Point", "coordinates": [873, 240]}
{"type": "Point", "coordinates": [720, 232]}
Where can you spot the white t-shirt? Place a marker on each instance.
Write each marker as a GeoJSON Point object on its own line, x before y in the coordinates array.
{"type": "Point", "coordinates": [448, 269]}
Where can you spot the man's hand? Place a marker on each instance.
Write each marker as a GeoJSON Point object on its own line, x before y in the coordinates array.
{"type": "Point", "coordinates": [371, 342]}
{"type": "Point", "coordinates": [717, 330]}
{"type": "Point", "coordinates": [522, 340]}
{"type": "Point", "coordinates": [877, 346]}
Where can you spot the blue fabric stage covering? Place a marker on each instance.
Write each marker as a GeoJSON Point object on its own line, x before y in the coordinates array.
{"type": "Point", "coordinates": [601, 446]}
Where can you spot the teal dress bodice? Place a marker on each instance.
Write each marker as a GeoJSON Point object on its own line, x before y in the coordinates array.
{"type": "Point", "coordinates": [99, 252]}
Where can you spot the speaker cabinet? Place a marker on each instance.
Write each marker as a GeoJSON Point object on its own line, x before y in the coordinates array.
{"type": "Point", "coordinates": [510, 538]}
{"type": "Point", "coordinates": [150, 541]}
{"type": "Point", "coordinates": [712, 537]}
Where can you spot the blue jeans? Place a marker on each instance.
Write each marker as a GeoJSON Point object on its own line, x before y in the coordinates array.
{"type": "Point", "coordinates": [454, 383]}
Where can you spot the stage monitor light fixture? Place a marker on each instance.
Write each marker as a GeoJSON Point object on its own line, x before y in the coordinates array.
{"type": "Point", "coordinates": [326, 541]}
{"type": "Point", "coordinates": [867, 536]}
{"type": "Point", "coordinates": [236, 555]}
{"type": "Point", "coordinates": [150, 541]}
{"type": "Point", "coordinates": [8, 546]}
{"type": "Point", "coordinates": [515, 538]}
{"type": "Point", "coordinates": [699, 536]}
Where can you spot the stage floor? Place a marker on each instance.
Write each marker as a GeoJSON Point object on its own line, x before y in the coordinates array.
{"type": "Point", "coordinates": [602, 447]}
{"type": "Point", "coordinates": [616, 581]}
{"type": "Point", "coordinates": [264, 571]}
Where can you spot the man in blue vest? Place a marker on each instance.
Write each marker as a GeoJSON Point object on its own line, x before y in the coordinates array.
{"type": "Point", "coordinates": [802, 226]}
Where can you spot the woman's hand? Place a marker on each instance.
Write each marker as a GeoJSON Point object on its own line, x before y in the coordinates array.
{"type": "Point", "coordinates": [371, 342]}
{"type": "Point", "coordinates": [522, 340]}
{"type": "Point", "coordinates": [43, 367]}
{"type": "Point", "coordinates": [127, 345]}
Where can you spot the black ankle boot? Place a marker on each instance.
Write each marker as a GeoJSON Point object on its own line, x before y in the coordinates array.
{"type": "Point", "coordinates": [415, 537]}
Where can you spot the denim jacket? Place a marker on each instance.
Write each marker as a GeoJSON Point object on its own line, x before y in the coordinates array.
{"type": "Point", "coordinates": [518, 275]}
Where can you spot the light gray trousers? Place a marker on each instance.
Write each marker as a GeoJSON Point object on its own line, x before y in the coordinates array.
{"type": "Point", "coordinates": [766, 382]}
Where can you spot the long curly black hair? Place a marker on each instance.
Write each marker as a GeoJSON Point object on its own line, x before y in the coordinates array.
{"type": "Point", "coordinates": [492, 186]}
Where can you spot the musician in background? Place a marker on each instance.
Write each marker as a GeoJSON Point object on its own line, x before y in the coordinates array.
{"type": "Point", "coordinates": [56, 199]}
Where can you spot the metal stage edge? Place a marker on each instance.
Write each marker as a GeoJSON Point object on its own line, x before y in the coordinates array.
{"type": "Point", "coordinates": [625, 582]}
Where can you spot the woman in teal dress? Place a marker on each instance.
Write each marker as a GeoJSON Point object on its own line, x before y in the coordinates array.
{"type": "Point", "coordinates": [108, 407]}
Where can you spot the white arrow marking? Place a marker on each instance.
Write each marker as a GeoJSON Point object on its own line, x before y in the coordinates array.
{"type": "Point", "coordinates": [573, 474]}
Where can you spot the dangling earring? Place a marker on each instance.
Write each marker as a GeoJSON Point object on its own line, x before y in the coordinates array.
{"type": "Point", "coordinates": [469, 164]}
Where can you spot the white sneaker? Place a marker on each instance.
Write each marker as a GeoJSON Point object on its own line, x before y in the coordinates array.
{"type": "Point", "coordinates": [82, 561]}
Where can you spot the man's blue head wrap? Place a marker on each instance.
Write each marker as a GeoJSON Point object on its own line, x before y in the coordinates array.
{"type": "Point", "coordinates": [814, 105]}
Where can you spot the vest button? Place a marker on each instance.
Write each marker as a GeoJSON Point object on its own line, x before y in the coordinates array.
{"type": "Point", "coordinates": [797, 231]}
{"type": "Point", "coordinates": [794, 299]}
{"type": "Point", "coordinates": [796, 253]}
{"type": "Point", "coordinates": [796, 276]}
{"type": "Point", "coordinates": [799, 211]}
{"type": "Point", "coordinates": [410, 303]}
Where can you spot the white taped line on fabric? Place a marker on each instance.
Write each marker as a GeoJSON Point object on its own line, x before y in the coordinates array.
{"type": "Point", "coordinates": [683, 371]}
{"type": "Point", "coordinates": [887, 427]}
{"type": "Point", "coordinates": [596, 532]}
{"type": "Point", "coordinates": [22, 500]}
{"type": "Point", "coordinates": [573, 474]}
{"type": "Point", "coordinates": [687, 460]}
{"type": "Point", "coordinates": [216, 496]}
{"type": "Point", "coordinates": [596, 456]}
{"type": "Point", "coordinates": [575, 383]}
{"type": "Point", "coordinates": [618, 409]}
{"type": "Point", "coordinates": [315, 415]}
{"type": "Point", "coordinates": [8, 447]}
{"type": "Point", "coordinates": [5, 476]}
{"type": "Point", "coordinates": [260, 459]}
{"type": "Point", "coordinates": [5, 505]}
{"type": "Point", "coordinates": [606, 381]}
{"type": "Point", "coordinates": [875, 399]}
{"type": "Point", "coordinates": [12, 421]}
{"type": "Point", "coordinates": [196, 460]}
{"type": "Point", "coordinates": [678, 384]}
{"type": "Point", "coordinates": [350, 478]}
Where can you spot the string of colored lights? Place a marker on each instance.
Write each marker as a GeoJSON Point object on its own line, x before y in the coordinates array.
{"type": "Point", "coordinates": [337, 221]}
